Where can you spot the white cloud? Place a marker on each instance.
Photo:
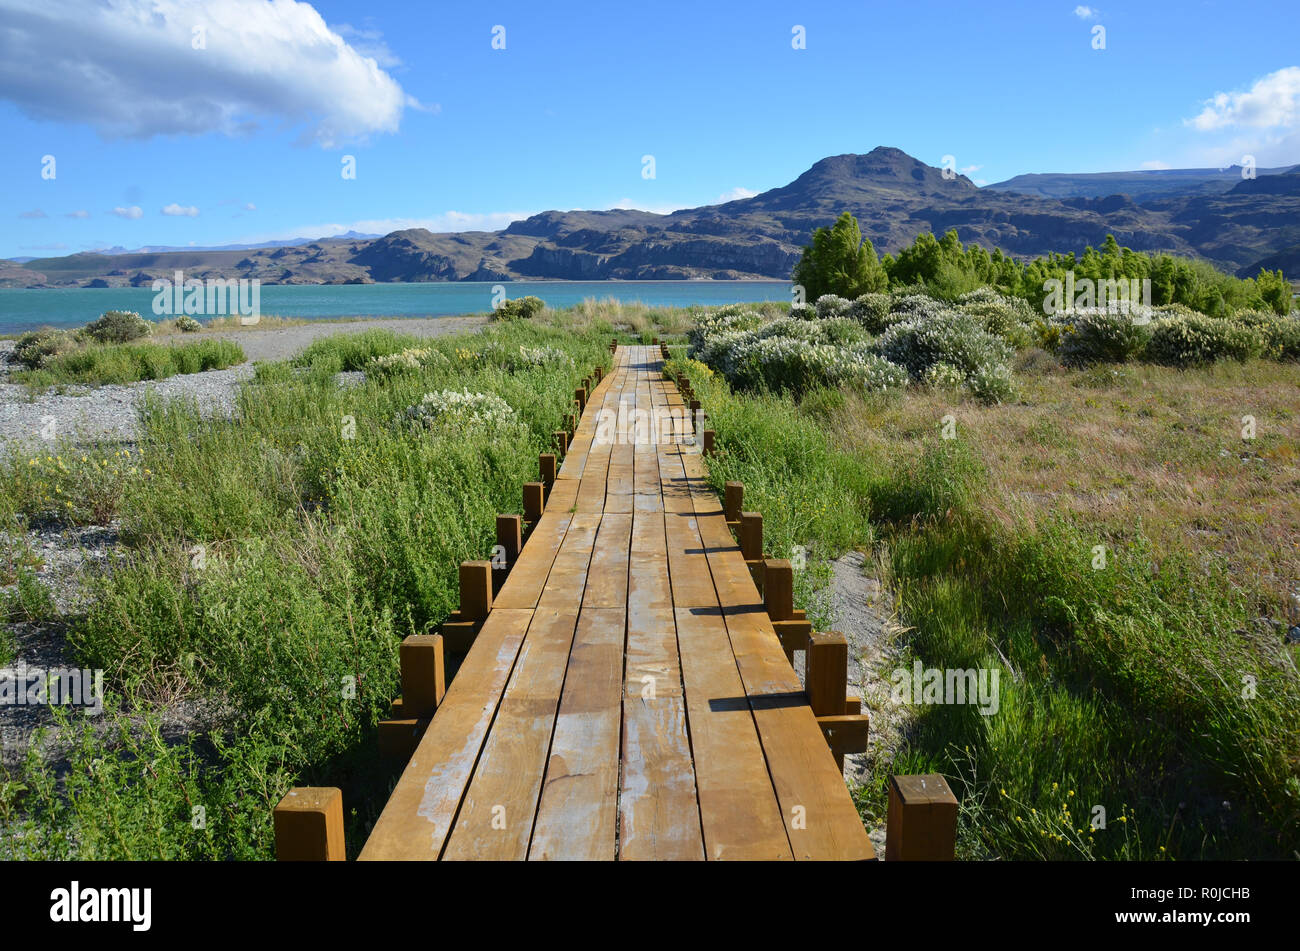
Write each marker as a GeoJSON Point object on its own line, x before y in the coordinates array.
{"type": "Point", "coordinates": [1273, 102]}
{"type": "Point", "coordinates": [129, 69]}
{"type": "Point", "coordinates": [249, 206]}
{"type": "Point", "coordinates": [180, 211]}
{"type": "Point", "coordinates": [79, 213]}
{"type": "Point", "coordinates": [627, 204]}
{"type": "Point", "coordinates": [1084, 13]}
{"type": "Point", "coordinates": [34, 213]}
{"type": "Point", "coordinates": [734, 195]}
{"type": "Point", "coordinates": [132, 211]}
{"type": "Point", "coordinates": [971, 169]}
{"type": "Point", "coordinates": [439, 224]}
{"type": "Point", "coordinates": [1155, 164]}
{"type": "Point", "coordinates": [369, 42]}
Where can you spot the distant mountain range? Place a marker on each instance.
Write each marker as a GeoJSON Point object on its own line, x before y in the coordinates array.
{"type": "Point", "coordinates": [1240, 224]}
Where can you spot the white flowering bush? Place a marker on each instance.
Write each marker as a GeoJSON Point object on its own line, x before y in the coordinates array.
{"type": "Point", "coordinates": [1195, 340]}
{"type": "Point", "coordinates": [803, 312]}
{"type": "Point", "coordinates": [1100, 336]}
{"type": "Point", "coordinates": [832, 305]}
{"type": "Point", "coordinates": [1011, 318]}
{"type": "Point", "coordinates": [873, 312]}
{"type": "Point", "coordinates": [413, 358]}
{"type": "Point", "coordinates": [1281, 335]}
{"type": "Point", "coordinates": [459, 411]}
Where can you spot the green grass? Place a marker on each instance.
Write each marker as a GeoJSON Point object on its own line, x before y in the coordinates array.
{"type": "Point", "coordinates": [270, 568]}
{"type": "Point", "coordinates": [97, 364]}
{"type": "Point", "coordinates": [1124, 687]}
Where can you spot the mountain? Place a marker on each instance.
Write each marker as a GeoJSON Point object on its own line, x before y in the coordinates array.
{"type": "Point", "coordinates": [893, 195]}
{"type": "Point", "coordinates": [1139, 185]}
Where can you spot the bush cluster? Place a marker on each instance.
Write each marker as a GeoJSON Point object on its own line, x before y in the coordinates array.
{"type": "Point", "coordinates": [521, 308]}
{"type": "Point", "coordinates": [119, 326]}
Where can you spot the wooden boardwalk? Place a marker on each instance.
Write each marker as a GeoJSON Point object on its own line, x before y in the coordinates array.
{"type": "Point", "coordinates": [627, 696]}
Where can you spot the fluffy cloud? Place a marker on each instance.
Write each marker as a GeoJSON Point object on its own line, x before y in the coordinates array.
{"type": "Point", "coordinates": [439, 224]}
{"type": "Point", "coordinates": [1084, 13]}
{"type": "Point", "coordinates": [180, 211]}
{"type": "Point", "coordinates": [131, 211]}
{"type": "Point", "coordinates": [79, 213]}
{"type": "Point", "coordinates": [735, 194]}
{"type": "Point", "coordinates": [1273, 102]}
{"type": "Point", "coordinates": [1155, 165]}
{"type": "Point", "coordinates": [129, 68]}
{"type": "Point", "coordinates": [34, 213]}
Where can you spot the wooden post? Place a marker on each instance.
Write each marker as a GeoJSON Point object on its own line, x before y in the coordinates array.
{"type": "Point", "coordinates": [569, 422]}
{"type": "Point", "coordinates": [510, 535]}
{"type": "Point", "coordinates": [424, 675]}
{"type": "Point", "coordinates": [826, 676]}
{"type": "Point", "coordinates": [751, 537]}
{"type": "Point", "coordinates": [561, 441]}
{"type": "Point", "coordinates": [845, 734]}
{"type": "Point", "coordinates": [580, 397]}
{"type": "Point", "coordinates": [546, 469]}
{"type": "Point", "coordinates": [600, 372]}
{"type": "Point", "coordinates": [399, 736]}
{"type": "Point", "coordinates": [778, 589]}
{"type": "Point", "coordinates": [735, 498]}
{"type": "Point", "coordinates": [309, 825]}
{"type": "Point", "coordinates": [922, 822]}
{"type": "Point", "coordinates": [475, 590]}
{"type": "Point", "coordinates": [708, 442]}
{"type": "Point", "coordinates": [534, 502]}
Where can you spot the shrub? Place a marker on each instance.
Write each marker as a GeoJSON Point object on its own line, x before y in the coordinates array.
{"type": "Point", "coordinates": [944, 376]}
{"type": "Point", "coordinates": [832, 305]}
{"type": "Point", "coordinates": [521, 308]}
{"type": "Point", "coordinates": [450, 410]}
{"type": "Point", "coordinates": [942, 335]}
{"type": "Point", "coordinates": [1102, 337]}
{"type": "Point", "coordinates": [187, 324]}
{"type": "Point", "coordinates": [1197, 340]}
{"type": "Point", "coordinates": [872, 311]}
{"type": "Point", "coordinates": [412, 358]}
{"type": "Point", "coordinates": [1281, 335]}
{"type": "Point", "coordinates": [991, 383]}
{"type": "Point", "coordinates": [35, 346]}
{"type": "Point", "coordinates": [803, 312]}
{"type": "Point", "coordinates": [119, 326]}
{"type": "Point", "coordinates": [1010, 318]}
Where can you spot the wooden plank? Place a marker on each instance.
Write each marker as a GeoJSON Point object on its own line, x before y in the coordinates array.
{"type": "Point", "coordinates": [658, 815]}
{"type": "Point", "coordinates": [577, 815]}
{"type": "Point", "coordinates": [738, 807]}
{"type": "Point", "coordinates": [496, 817]}
{"type": "Point", "coordinates": [607, 579]}
{"type": "Point", "coordinates": [419, 814]}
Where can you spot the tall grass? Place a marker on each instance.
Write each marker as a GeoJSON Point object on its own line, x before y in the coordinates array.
{"type": "Point", "coordinates": [1143, 687]}
{"type": "Point", "coordinates": [271, 566]}
{"type": "Point", "coordinates": [97, 364]}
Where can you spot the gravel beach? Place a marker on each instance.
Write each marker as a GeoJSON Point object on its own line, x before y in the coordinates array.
{"type": "Point", "coordinates": [87, 413]}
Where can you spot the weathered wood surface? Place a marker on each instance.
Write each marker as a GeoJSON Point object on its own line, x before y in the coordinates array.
{"type": "Point", "coordinates": [627, 697]}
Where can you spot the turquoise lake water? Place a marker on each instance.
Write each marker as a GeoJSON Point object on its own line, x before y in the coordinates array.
{"type": "Point", "coordinates": [29, 308]}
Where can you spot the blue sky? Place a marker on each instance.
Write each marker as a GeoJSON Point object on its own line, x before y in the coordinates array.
{"type": "Point", "coordinates": [242, 140]}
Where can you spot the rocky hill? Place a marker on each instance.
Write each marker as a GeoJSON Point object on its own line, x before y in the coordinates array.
{"type": "Point", "coordinates": [893, 195]}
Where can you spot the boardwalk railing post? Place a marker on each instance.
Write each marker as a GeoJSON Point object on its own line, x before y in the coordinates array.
{"type": "Point", "coordinates": [826, 674]}
{"type": "Point", "coordinates": [561, 441]}
{"type": "Point", "coordinates": [922, 822]}
{"type": "Point", "coordinates": [534, 502]}
{"type": "Point", "coordinates": [735, 498]}
{"type": "Point", "coordinates": [708, 442]}
{"type": "Point", "coordinates": [510, 535]}
{"type": "Point", "coordinates": [309, 825]}
{"type": "Point", "coordinates": [600, 372]}
{"type": "Point", "coordinates": [778, 589]}
{"type": "Point", "coordinates": [546, 469]}
{"type": "Point", "coordinates": [424, 675]}
{"type": "Point", "coordinates": [580, 397]}
{"type": "Point", "coordinates": [475, 590]}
